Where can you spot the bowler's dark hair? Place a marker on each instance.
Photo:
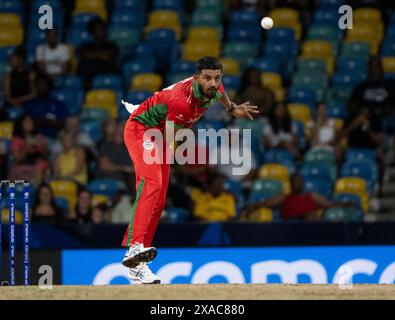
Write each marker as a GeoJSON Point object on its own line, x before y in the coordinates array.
{"type": "Point", "coordinates": [210, 63]}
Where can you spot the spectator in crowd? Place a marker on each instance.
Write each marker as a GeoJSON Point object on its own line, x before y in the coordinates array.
{"type": "Point", "coordinates": [98, 56]}
{"type": "Point", "coordinates": [47, 112]}
{"type": "Point", "coordinates": [72, 125]}
{"type": "Point", "coordinates": [29, 152]}
{"type": "Point", "coordinates": [84, 211]}
{"type": "Point", "coordinates": [71, 163]}
{"type": "Point", "coordinates": [121, 207]}
{"type": "Point", "coordinates": [279, 132]}
{"type": "Point", "coordinates": [45, 208]}
{"type": "Point", "coordinates": [53, 58]}
{"type": "Point", "coordinates": [375, 92]}
{"type": "Point", "coordinates": [297, 206]}
{"type": "Point", "coordinates": [19, 83]}
{"type": "Point", "coordinates": [324, 133]}
{"type": "Point", "coordinates": [364, 130]}
{"type": "Point", "coordinates": [215, 204]}
{"type": "Point", "coordinates": [240, 166]}
{"type": "Point", "coordinates": [114, 160]}
{"type": "Point", "coordinates": [178, 193]}
{"type": "Point", "coordinates": [253, 90]}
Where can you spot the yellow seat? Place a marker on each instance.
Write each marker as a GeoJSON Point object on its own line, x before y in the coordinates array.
{"type": "Point", "coordinates": [66, 189]}
{"type": "Point", "coordinates": [339, 123]}
{"type": "Point", "coordinates": [9, 38]}
{"type": "Point", "coordinates": [166, 19]}
{"type": "Point", "coordinates": [353, 185]}
{"type": "Point", "coordinates": [317, 49]}
{"type": "Point", "coordinates": [6, 130]}
{"type": "Point", "coordinates": [193, 51]}
{"type": "Point", "coordinates": [367, 14]}
{"type": "Point", "coordinates": [230, 66]}
{"type": "Point", "coordinates": [277, 172]}
{"type": "Point", "coordinates": [6, 216]}
{"type": "Point", "coordinates": [203, 34]}
{"type": "Point", "coordinates": [10, 21]}
{"type": "Point", "coordinates": [366, 33]}
{"type": "Point", "coordinates": [271, 80]}
{"type": "Point", "coordinates": [287, 17]}
{"type": "Point", "coordinates": [104, 99]}
{"type": "Point", "coordinates": [279, 94]}
{"type": "Point", "coordinates": [99, 199]}
{"type": "Point", "coordinates": [260, 215]}
{"type": "Point", "coordinates": [97, 7]}
{"type": "Point", "coordinates": [388, 64]}
{"type": "Point", "coordinates": [299, 112]}
{"type": "Point", "coordinates": [147, 81]}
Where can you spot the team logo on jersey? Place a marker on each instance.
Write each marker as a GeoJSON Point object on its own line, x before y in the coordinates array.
{"type": "Point", "coordinates": [148, 145]}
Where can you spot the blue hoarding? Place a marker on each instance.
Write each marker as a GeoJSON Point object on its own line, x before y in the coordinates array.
{"type": "Point", "coordinates": [320, 265]}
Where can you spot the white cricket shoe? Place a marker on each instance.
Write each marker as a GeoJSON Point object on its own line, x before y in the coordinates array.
{"type": "Point", "coordinates": [143, 274]}
{"type": "Point", "coordinates": [137, 253]}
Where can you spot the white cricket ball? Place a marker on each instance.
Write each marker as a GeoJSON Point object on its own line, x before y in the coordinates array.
{"type": "Point", "coordinates": [267, 23]}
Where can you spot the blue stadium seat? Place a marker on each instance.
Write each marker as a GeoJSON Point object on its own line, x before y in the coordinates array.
{"type": "Point", "coordinates": [55, 4]}
{"type": "Point", "coordinates": [126, 20]}
{"type": "Point", "coordinates": [14, 113]}
{"type": "Point", "coordinates": [285, 51]}
{"type": "Point", "coordinates": [107, 187]}
{"type": "Point", "coordinates": [244, 16]}
{"type": "Point", "coordinates": [69, 81]}
{"type": "Point", "coordinates": [328, 4]}
{"type": "Point", "coordinates": [11, 6]}
{"type": "Point", "coordinates": [346, 197]}
{"type": "Point", "coordinates": [129, 6]}
{"type": "Point", "coordinates": [174, 77]}
{"type": "Point", "coordinates": [76, 37]}
{"type": "Point", "coordinates": [302, 95]}
{"type": "Point", "coordinates": [231, 82]}
{"type": "Point", "coordinates": [93, 129]}
{"type": "Point", "coordinates": [352, 65]}
{"type": "Point", "coordinates": [348, 214]}
{"type": "Point", "coordinates": [137, 97]}
{"type": "Point", "coordinates": [136, 66]}
{"type": "Point", "coordinates": [326, 16]}
{"type": "Point", "coordinates": [244, 32]}
{"type": "Point", "coordinates": [183, 66]}
{"type": "Point", "coordinates": [177, 215]}
{"type": "Point", "coordinates": [63, 204]}
{"type": "Point", "coordinates": [174, 5]}
{"type": "Point", "coordinates": [5, 53]}
{"type": "Point", "coordinates": [267, 64]}
{"type": "Point", "coordinates": [388, 47]}
{"type": "Point", "coordinates": [320, 170]}
{"type": "Point", "coordinates": [281, 156]}
{"type": "Point", "coordinates": [299, 128]}
{"type": "Point", "coordinates": [318, 185]}
{"type": "Point", "coordinates": [107, 81]}
{"type": "Point", "coordinates": [72, 98]}
{"type": "Point", "coordinates": [337, 109]}
{"type": "Point", "coordinates": [163, 42]}
{"type": "Point", "coordinates": [281, 35]}
{"type": "Point", "coordinates": [236, 189]}
{"type": "Point", "coordinates": [347, 79]}
{"type": "Point", "coordinates": [366, 169]}
{"type": "Point", "coordinates": [360, 154]}
{"type": "Point", "coordinates": [265, 189]}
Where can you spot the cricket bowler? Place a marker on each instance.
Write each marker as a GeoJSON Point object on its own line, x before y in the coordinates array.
{"type": "Point", "coordinates": [182, 105]}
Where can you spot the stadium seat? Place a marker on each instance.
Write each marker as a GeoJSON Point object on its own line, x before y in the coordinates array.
{"type": "Point", "coordinates": [275, 171]}
{"type": "Point", "coordinates": [319, 49]}
{"type": "Point", "coordinates": [271, 80]}
{"type": "Point", "coordinates": [93, 128]}
{"type": "Point", "coordinates": [211, 5]}
{"type": "Point", "coordinates": [129, 5]}
{"type": "Point", "coordinates": [94, 114]}
{"type": "Point", "coordinates": [174, 77]}
{"type": "Point", "coordinates": [242, 52]}
{"type": "Point", "coordinates": [102, 98]}
{"type": "Point", "coordinates": [6, 130]}
{"type": "Point", "coordinates": [63, 204]}
{"type": "Point", "coordinates": [352, 65]}
{"type": "Point", "coordinates": [230, 66]}
{"type": "Point", "coordinates": [366, 169]}
{"type": "Point", "coordinates": [349, 197]}
{"type": "Point", "coordinates": [69, 81]}
{"type": "Point", "coordinates": [66, 189]}
{"type": "Point", "coordinates": [72, 97]}
{"type": "Point", "coordinates": [356, 49]}
{"type": "Point", "coordinates": [338, 94]}
{"type": "Point", "coordinates": [147, 82]}
{"type": "Point", "coordinates": [124, 38]}
{"type": "Point", "coordinates": [312, 64]}
{"type": "Point", "coordinates": [354, 185]}
{"type": "Point", "coordinates": [388, 64]}
{"type": "Point", "coordinates": [326, 16]}
{"type": "Point", "coordinates": [183, 66]}
{"type": "Point", "coordinates": [107, 81]}
{"type": "Point", "coordinates": [244, 32]}
{"type": "Point", "coordinates": [282, 34]}
{"type": "Point", "coordinates": [299, 112]}
{"type": "Point", "coordinates": [302, 95]}
{"type": "Point", "coordinates": [106, 187]}
{"type": "Point", "coordinates": [267, 64]}
{"type": "Point", "coordinates": [177, 215]}
{"type": "Point", "coordinates": [97, 7]}
{"type": "Point", "coordinates": [207, 34]}
{"type": "Point", "coordinates": [231, 82]}
{"type": "Point", "coordinates": [343, 215]}
{"type": "Point", "coordinates": [164, 19]}
{"type": "Point", "coordinates": [11, 6]}
{"type": "Point", "coordinates": [328, 4]}
{"type": "Point", "coordinates": [337, 109]}
{"type": "Point", "coordinates": [347, 79]}
{"type": "Point", "coordinates": [287, 17]}
{"type": "Point", "coordinates": [360, 154]}
{"type": "Point", "coordinates": [265, 189]}
{"type": "Point", "coordinates": [318, 170]}
{"type": "Point", "coordinates": [124, 19]}
{"type": "Point", "coordinates": [133, 67]}
{"type": "Point", "coordinates": [98, 199]}
{"type": "Point", "coordinates": [317, 155]}
{"type": "Point", "coordinates": [319, 185]}
{"type": "Point", "coordinates": [280, 156]}
{"type": "Point", "coordinates": [364, 33]}
{"type": "Point", "coordinates": [193, 51]}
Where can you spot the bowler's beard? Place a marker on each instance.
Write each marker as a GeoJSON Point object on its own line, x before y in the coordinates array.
{"type": "Point", "coordinates": [207, 95]}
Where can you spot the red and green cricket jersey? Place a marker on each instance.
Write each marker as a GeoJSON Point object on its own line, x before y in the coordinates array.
{"type": "Point", "coordinates": [181, 103]}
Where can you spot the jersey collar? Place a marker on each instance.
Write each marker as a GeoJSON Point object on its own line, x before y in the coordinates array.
{"type": "Point", "coordinates": [203, 102]}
